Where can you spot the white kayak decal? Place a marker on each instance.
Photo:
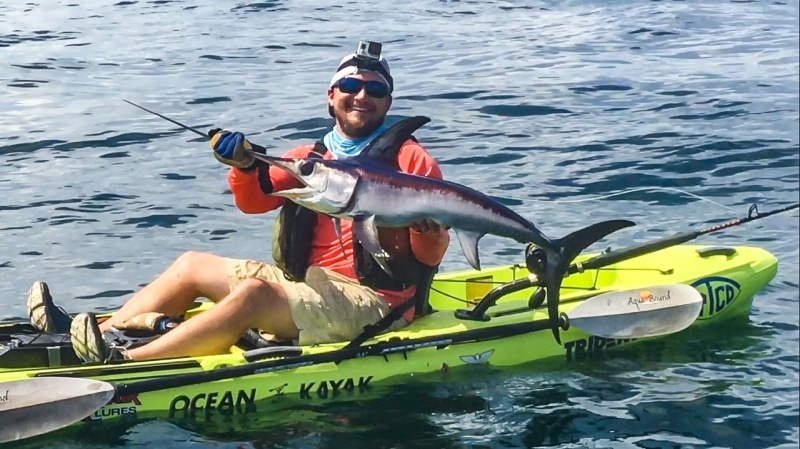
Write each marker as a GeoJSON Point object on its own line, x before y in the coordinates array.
{"type": "Point", "coordinates": [477, 359]}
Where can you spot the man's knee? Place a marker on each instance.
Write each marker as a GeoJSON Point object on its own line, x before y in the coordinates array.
{"type": "Point", "coordinates": [191, 259]}
{"type": "Point", "coordinates": [192, 263]}
{"type": "Point", "coordinates": [253, 289]}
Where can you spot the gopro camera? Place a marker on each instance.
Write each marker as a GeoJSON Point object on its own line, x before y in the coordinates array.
{"type": "Point", "coordinates": [368, 50]}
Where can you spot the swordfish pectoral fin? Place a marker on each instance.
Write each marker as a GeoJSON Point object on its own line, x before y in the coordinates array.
{"type": "Point", "coordinates": [469, 246]}
{"type": "Point", "coordinates": [366, 233]}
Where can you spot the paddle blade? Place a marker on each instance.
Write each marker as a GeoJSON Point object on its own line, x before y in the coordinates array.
{"type": "Point", "coordinates": [638, 313]}
{"type": "Point", "coordinates": [38, 405]}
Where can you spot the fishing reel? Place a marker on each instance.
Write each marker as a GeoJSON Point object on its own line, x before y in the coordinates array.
{"type": "Point", "coordinates": [536, 261]}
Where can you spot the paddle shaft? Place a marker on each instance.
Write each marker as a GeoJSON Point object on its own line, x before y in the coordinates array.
{"type": "Point", "coordinates": [339, 355]}
{"type": "Point", "coordinates": [608, 315]}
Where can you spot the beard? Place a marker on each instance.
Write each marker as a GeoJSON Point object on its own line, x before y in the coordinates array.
{"type": "Point", "coordinates": [359, 127]}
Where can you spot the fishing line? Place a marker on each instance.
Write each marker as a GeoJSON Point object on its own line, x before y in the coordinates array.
{"type": "Point", "coordinates": [640, 189]}
{"type": "Point", "coordinates": [610, 195]}
{"type": "Point", "coordinates": [453, 297]}
{"type": "Point", "coordinates": [473, 302]}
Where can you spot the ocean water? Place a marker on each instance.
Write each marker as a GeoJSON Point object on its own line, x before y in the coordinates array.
{"type": "Point", "coordinates": [674, 114]}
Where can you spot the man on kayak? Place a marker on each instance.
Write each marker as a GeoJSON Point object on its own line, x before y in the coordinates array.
{"type": "Point", "coordinates": [320, 289]}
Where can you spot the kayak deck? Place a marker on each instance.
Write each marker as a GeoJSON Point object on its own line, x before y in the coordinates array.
{"type": "Point", "coordinates": [727, 277]}
{"type": "Point", "coordinates": [680, 264]}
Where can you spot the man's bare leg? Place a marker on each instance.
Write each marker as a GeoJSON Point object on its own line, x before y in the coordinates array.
{"type": "Point", "coordinates": [191, 276]}
{"type": "Point", "coordinates": [252, 304]}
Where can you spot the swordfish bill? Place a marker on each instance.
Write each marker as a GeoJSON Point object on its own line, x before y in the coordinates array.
{"type": "Point", "coordinates": [372, 196]}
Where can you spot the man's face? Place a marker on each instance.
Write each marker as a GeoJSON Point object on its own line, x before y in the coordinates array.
{"type": "Point", "coordinates": [358, 113]}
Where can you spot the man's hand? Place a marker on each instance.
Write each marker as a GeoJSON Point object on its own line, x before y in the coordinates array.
{"type": "Point", "coordinates": [229, 148]}
{"type": "Point", "coordinates": [427, 225]}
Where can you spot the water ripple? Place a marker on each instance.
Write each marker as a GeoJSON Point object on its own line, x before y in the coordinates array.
{"type": "Point", "coordinates": [565, 111]}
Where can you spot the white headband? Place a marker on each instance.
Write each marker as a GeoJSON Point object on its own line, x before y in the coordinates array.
{"type": "Point", "coordinates": [352, 70]}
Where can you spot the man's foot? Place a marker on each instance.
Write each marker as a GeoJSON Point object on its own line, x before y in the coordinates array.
{"type": "Point", "coordinates": [88, 342]}
{"type": "Point", "coordinates": [44, 314]}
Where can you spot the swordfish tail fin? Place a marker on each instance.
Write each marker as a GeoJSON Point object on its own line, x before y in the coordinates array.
{"type": "Point", "coordinates": [557, 262]}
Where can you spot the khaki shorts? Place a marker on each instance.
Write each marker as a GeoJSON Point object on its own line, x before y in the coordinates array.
{"type": "Point", "coordinates": [326, 308]}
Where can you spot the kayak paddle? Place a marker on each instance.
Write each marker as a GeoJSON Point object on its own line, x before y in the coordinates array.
{"type": "Point", "coordinates": [39, 405]}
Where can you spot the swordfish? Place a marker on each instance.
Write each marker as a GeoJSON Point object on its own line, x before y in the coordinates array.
{"type": "Point", "coordinates": [372, 196]}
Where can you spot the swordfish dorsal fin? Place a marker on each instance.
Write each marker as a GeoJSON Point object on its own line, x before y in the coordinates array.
{"type": "Point", "coordinates": [387, 144]}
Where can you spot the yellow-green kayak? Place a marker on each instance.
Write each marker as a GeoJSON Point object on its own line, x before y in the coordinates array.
{"type": "Point", "coordinates": [507, 334]}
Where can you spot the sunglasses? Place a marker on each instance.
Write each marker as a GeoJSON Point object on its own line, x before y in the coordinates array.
{"type": "Point", "coordinates": [374, 89]}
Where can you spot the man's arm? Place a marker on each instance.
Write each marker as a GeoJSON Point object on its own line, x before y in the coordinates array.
{"type": "Point", "coordinates": [251, 188]}
{"type": "Point", "coordinates": [428, 245]}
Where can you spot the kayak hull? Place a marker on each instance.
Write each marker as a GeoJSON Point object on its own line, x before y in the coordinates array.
{"type": "Point", "coordinates": [728, 279]}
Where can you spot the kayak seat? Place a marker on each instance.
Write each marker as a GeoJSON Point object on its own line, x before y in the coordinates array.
{"type": "Point", "coordinates": [252, 339]}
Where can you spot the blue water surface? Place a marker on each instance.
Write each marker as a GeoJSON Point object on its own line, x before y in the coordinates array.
{"type": "Point", "coordinates": [674, 114]}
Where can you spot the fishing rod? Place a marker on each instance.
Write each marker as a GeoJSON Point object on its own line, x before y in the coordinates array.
{"type": "Point", "coordinates": [534, 258]}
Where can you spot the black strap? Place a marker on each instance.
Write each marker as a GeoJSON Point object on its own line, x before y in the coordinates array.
{"type": "Point", "coordinates": [382, 324]}
{"type": "Point", "coordinates": [319, 150]}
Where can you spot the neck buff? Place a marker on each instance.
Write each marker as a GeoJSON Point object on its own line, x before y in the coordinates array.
{"type": "Point", "coordinates": [342, 147]}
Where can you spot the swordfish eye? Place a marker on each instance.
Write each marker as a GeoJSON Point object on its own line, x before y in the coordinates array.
{"type": "Point", "coordinates": [306, 168]}
{"type": "Point", "coordinates": [314, 175]}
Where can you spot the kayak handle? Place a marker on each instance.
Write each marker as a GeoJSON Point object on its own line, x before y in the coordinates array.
{"type": "Point", "coordinates": [479, 312]}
